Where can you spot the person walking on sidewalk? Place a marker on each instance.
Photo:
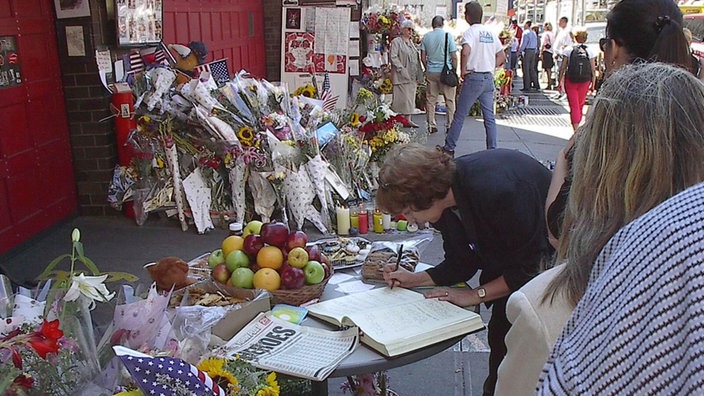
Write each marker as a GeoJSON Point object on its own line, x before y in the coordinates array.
{"type": "Point", "coordinates": [577, 75]}
{"type": "Point", "coordinates": [528, 51]}
{"type": "Point", "coordinates": [488, 206]}
{"type": "Point", "coordinates": [548, 41]}
{"type": "Point", "coordinates": [482, 52]}
{"type": "Point", "coordinates": [434, 55]}
{"type": "Point", "coordinates": [563, 39]}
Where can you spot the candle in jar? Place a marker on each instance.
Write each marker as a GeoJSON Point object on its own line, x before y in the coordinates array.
{"type": "Point", "coordinates": [354, 219]}
{"type": "Point", "coordinates": [363, 222]}
{"type": "Point", "coordinates": [386, 221]}
{"type": "Point", "coordinates": [343, 220]}
{"type": "Point", "coordinates": [378, 222]}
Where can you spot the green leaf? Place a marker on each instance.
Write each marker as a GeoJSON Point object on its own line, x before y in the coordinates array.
{"type": "Point", "coordinates": [117, 276]}
{"type": "Point", "coordinates": [90, 265]}
{"type": "Point", "coordinates": [57, 276]}
{"type": "Point", "coordinates": [52, 264]}
{"type": "Point", "coordinates": [79, 248]}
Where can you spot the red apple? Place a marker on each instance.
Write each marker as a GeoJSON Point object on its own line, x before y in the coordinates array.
{"type": "Point", "coordinates": [292, 277]}
{"type": "Point", "coordinates": [327, 268]}
{"type": "Point", "coordinates": [274, 233]}
{"type": "Point", "coordinates": [221, 273]}
{"type": "Point", "coordinates": [296, 239]}
{"type": "Point", "coordinates": [252, 244]}
{"type": "Point", "coordinates": [313, 252]}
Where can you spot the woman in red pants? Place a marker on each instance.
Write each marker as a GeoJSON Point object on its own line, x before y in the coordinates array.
{"type": "Point", "coordinates": [577, 75]}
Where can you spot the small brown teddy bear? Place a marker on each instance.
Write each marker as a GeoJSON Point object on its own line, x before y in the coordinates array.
{"type": "Point", "coordinates": [169, 272]}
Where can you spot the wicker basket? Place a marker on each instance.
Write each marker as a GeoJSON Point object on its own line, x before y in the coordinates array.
{"type": "Point", "coordinates": [291, 297]}
{"type": "Point", "coordinates": [300, 296]}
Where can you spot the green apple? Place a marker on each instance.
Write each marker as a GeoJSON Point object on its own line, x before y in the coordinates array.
{"type": "Point", "coordinates": [314, 272]}
{"type": "Point", "coordinates": [253, 227]}
{"type": "Point", "coordinates": [216, 257]}
{"type": "Point", "coordinates": [242, 277]}
{"type": "Point", "coordinates": [236, 259]}
{"type": "Point", "coordinates": [297, 257]}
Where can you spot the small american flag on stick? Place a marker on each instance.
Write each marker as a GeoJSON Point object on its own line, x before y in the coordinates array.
{"type": "Point", "coordinates": [329, 100]}
{"type": "Point", "coordinates": [218, 69]}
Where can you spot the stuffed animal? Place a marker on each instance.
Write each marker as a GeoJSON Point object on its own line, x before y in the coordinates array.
{"type": "Point", "coordinates": [188, 58]}
{"type": "Point", "coordinates": [169, 272]}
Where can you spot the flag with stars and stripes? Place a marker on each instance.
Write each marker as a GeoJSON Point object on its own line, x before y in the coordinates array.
{"type": "Point", "coordinates": [135, 63]}
{"type": "Point", "coordinates": [217, 69]}
{"type": "Point", "coordinates": [329, 100]}
{"type": "Point", "coordinates": [165, 375]}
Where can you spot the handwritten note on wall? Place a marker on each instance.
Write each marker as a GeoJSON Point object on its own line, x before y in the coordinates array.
{"type": "Point", "coordinates": [332, 30]}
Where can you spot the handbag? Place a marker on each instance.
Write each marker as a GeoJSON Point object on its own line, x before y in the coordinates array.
{"type": "Point", "coordinates": [448, 75]}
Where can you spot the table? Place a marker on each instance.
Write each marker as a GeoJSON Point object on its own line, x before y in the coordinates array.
{"type": "Point", "coordinates": [366, 360]}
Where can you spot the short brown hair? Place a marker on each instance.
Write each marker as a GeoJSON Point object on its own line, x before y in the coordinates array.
{"type": "Point", "coordinates": [413, 176]}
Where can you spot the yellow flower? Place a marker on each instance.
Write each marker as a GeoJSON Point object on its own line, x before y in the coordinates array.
{"type": "Point", "coordinates": [307, 90]}
{"type": "Point", "coordinates": [386, 86]}
{"type": "Point", "coordinates": [272, 388]}
{"type": "Point", "coordinates": [354, 119]}
{"type": "Point", "coordinates": [159, 162]}
{"type": "Point", "coordinates": [215, 368]}
{"type": "Point", "coordinates": [390, 136]}
{"type": "Point", "coordinates": [245, 135]}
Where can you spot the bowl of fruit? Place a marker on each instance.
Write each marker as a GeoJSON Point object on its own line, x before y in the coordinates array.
{"type": "Point", "coordinates": [268, 256]}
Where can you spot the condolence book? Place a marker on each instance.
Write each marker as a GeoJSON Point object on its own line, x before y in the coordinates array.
{"type": "Point", "coordinates": [397, 321]}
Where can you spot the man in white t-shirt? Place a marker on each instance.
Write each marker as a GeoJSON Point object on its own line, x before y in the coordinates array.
{"type": "Point", "coordinates": [563, 40]}
{"type": "Point", "coordinates": [482, 52]}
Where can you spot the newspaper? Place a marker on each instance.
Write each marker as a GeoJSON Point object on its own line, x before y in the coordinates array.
{"type": "Point", "coordinates": [273, 344]}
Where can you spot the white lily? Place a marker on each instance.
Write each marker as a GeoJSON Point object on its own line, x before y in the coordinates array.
{"type": "Point", "coordinates": [92, 287]}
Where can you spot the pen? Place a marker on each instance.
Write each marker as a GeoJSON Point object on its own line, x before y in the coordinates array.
{"type": "Point", "coordinates": [398, 262]}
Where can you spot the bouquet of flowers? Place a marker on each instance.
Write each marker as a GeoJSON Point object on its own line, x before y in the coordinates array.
{"type": "Point", "coordinates": [48, 347]}
{"type": "Point", "coordinates": [380, 129]}
{"type": "Point", "coordinates": [239, 378]}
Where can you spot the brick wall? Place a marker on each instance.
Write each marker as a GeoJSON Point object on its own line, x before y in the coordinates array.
{"type": "Point", "coordinates": [272, 38]}
{"type": "Point", "coordinates": [87, 102]}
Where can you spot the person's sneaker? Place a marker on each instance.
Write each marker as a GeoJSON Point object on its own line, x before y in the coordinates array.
{"type": "Point", "coordinates": [432, 130]}
{"type": "Point", "coordinates": [449, 153]}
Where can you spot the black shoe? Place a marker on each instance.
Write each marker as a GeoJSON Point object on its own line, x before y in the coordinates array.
{"type": "Point", "coordinates": [449, 153]}
{"type": "Point", "coordinates": [525, 90]}
{"type": "Point", "coordinates": [432, 130]}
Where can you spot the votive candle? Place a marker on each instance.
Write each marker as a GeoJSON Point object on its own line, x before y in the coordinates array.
{"type": "Point", "coordinates": [386, 221]}
{"type": "Point", "coordinates": [378, 222]}
{"type": "Point", "coordinates": [343, 220]}
{"type": "Point", "coordinates": [354, 219]}
{"type": "Point", "coordinates": [363, 222]}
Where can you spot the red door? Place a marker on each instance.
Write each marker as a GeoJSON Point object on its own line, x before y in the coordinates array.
{"type": "Point", "coordinates": [37, 188]}
{"type": "Point", "coordinates": [232, 29]}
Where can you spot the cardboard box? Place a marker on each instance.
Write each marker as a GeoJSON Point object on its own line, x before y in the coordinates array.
{"type": "Point", "coordinates": [235, 320]}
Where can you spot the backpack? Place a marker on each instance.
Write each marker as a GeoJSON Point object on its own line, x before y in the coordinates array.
{"type": "Point", "coordinates": [579, 68]}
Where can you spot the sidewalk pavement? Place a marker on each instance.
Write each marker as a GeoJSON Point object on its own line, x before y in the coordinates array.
{"type": "Point", "coordinates": [118, 244]}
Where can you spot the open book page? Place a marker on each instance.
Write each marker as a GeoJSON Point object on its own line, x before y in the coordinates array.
{"type": "Point", "coordinates": [335, 310]}
{"type": "Point", "coordinates": [270, 343]}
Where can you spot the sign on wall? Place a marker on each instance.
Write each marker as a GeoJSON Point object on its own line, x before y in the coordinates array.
{"type": "Point", "coordinates": [139, 22]}
{"type": "Point", "coordinates": [9, 62]}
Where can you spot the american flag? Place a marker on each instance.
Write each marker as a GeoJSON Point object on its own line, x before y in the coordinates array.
{"type": "Point", "coordinates": [218, 69]}
{"type": "Point", "coordinates": [165, 50]}
{"type": "Point", "coordinates": [135, 63]}
{"type": "Point", "coordinates": [329, 100]}
{"type": "Point", "coordinates": [166, 376]}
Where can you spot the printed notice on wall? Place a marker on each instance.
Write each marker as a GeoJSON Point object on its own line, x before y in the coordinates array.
{"type": "Point", "coordinates": [9, 62]}
{"type": "Point", "coordinates": [332, 30]}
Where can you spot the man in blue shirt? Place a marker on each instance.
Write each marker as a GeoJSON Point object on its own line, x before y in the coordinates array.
{"type": "Point", "coordinates": [528, 50]}
{"type": "Point", "coordinates": [434, 57]}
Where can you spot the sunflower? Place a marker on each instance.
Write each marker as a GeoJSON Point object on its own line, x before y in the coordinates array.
{"type": "Point", "coordinates": [307, 90]}
{"type": "Point", "coordinates": [215, 368]}
{"type": "Point", "coordinates": [386, 86]}
{"type": "Point", "coordinates": [354, 120]}
{"type": "Point", "coordinates": [272, 386]}
{"type": "Point", "coordinates": [245, 135]}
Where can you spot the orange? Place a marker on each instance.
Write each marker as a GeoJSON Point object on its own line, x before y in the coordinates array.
{"type": "Point", "coordinates": [270, 257]}
{"type": "Point", "coordinates": [266, 278]}
{"type": "Point", "coordinates": [232, 243]}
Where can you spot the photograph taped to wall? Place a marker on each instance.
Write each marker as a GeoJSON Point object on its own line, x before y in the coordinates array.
{"type": "Point", "coordinates": [138, 22]}
{"type": "Point", "coordinates": [293, 18]}
{"type": "Point", "coordinates": [9, 62]}
{"type": "Point", "coordinates": [71, 8]}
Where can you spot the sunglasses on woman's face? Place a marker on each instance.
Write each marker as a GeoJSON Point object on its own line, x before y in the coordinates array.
{"type": "Point", "coordinates": [603, 42]}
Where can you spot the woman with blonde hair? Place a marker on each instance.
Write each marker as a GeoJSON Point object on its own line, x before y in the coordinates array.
{"type": "Point", "coordinates": [643, 142]}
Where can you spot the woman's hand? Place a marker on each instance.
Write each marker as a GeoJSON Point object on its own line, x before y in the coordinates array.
{"type": "Point", "coordinates": [398, 277]}
{"type": "Point", "coordinates": [463, 297]}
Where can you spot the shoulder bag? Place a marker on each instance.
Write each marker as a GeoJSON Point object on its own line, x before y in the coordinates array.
{"type": "Point", "coordinates": [448, 75]}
